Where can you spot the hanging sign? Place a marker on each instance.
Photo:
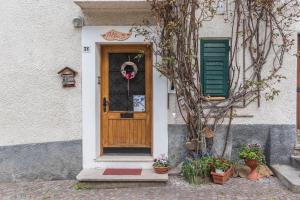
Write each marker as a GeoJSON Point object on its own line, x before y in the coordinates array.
{"type": "Point", "coordinates": [114, 35]}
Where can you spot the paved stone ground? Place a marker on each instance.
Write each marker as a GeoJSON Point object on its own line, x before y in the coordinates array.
{"type": "Point", "coordinates": [236, 188]}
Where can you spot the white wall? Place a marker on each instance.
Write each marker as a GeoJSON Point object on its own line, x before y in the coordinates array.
{"type": "Point", "coordinates": [37, 39]}
{"type": "Point", "coordinates": [280, 111]}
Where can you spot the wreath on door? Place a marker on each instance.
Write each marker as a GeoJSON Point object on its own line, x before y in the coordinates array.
{"type": "Point", "coordinates": [129, 70]}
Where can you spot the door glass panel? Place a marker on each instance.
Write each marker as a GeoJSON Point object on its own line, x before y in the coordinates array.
{"type": "Point", "coordinates": [124, 94]}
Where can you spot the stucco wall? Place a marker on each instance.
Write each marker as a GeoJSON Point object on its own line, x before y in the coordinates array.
{"type": "Point", "coordinates": [280, 111]}
{"type": "Point", "coordinates": [37, 40]}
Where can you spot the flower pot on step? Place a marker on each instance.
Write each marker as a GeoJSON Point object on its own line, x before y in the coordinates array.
{"type": "Point", "coordinates": [161, 170]}
{"type": "Point", "coordinates": [222, 178]}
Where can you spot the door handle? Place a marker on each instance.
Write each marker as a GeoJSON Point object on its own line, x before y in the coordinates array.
{"type": "Point", "coordinates": [104, 104]}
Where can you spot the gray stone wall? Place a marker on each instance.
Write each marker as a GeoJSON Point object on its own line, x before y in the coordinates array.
{"type": "Point", "coordinates": [177, 151]}
{"type": "Point", "coordinates": [44, 161]}
{"type": "Point", "coordinates": [63, 160]}
{"type": "Point", "coordinates": [277, 141]}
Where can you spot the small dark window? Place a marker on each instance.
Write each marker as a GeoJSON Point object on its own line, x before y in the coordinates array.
{"type": "Point", "coordinates": [120, 99]}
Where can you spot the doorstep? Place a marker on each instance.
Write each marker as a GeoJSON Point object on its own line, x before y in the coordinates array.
{"type": "Point", "coordinates": [96, 175]}
{"type": "Point", "coordinates": [288, 176]}
{"type": "Point", "coordinates": [124, 158]}
{"type": "Point", "coordinates": [123, 161]}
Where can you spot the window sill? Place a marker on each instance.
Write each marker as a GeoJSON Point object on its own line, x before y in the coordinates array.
{"type": "Point", "coordinates": [215, 98]}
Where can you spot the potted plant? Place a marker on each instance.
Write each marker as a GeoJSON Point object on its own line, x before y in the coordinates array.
{"type": "Point", "coordinates": [221, 170]}
{"type": "Point", "coordinates": [161, 165]}
{"type": "Point", "coordinates": [253, 156]}
{"type": "Point", "coordinates": [197, 170]}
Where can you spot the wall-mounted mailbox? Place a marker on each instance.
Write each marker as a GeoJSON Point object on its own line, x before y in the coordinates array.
{"type": "Point", "coordinates": [68, 77]}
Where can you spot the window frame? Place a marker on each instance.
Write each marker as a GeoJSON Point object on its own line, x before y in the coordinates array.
{"type": "Point", "coordinates": [226, 41]}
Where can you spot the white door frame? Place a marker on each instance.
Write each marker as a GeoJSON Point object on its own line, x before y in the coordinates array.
{"type": "Point", "coordinates": [92, 39]}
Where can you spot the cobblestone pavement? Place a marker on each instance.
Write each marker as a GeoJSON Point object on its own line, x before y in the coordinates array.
{"type": "Point", "coordinates": [236, 188]}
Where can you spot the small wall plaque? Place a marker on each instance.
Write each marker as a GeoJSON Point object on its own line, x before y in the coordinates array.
{"type": "Point", "coordinates": [222, 6]}
{"type": "Point", "coordinates": [86, 49]}
{"type": "Point", "coordinates": [114, 35]}
{"type": "Point", "coordinates": [139, 103]}
{"type": "Point", "coordinates": [68, 76]}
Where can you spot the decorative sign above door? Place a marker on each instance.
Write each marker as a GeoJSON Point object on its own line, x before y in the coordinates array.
{"type": "Point", "coordinates": [114, 35]}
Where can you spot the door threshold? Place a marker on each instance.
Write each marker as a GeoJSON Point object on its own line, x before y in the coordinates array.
{"type": "Point", "coordinates": [126, 151]}
{"type": "Point", "coordinates": [125, 158]}
{"type": "Point", "coordinates": [126, 154]}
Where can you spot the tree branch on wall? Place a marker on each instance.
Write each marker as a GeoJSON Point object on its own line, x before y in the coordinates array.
{"type": "Point", "coordinates": [261, 28]}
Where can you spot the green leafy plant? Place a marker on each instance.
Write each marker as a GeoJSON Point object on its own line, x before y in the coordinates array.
{"type": "Point", "coordinates": [80, 186]}
{"type": "Point", "coordinates": [189, 171]}
{"type": "Point", "coordinates": [220, 163]}
{"type": "Point", "coordinates": [161, 161]}
{"type": "Point", "coordinates": [195, 171]}
{"type": "Point", "coordinates": [252, 152]}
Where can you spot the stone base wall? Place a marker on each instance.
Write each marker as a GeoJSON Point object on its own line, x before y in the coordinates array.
{"type": "Point", "coordinates": [45, 161]}
{"type": "Point", "coordinates": [278, 141]}
{"type": "Point", "coordinates": [63, 160]}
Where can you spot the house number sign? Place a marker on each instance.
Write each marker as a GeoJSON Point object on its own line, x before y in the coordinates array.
{"type": "Point", "coordinates": [86, 49]}
{"type": "Point", "coordinates": [114, 35]}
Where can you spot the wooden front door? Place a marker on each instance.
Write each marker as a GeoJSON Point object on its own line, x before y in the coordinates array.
{"type": "Point", "coordinates": [126, 96]}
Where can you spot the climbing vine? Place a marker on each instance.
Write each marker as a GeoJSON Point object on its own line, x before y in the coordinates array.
{"type": "Point", "coordinates": [261, 35]}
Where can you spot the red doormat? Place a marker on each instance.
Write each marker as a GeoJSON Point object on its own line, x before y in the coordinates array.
{"type": "Point", "coordinates": [110, 171]}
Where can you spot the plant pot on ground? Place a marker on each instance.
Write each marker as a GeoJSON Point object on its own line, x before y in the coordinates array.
{"type": "Point", "coordinates": [161, 165]}
{"type": "Point", "coordinates": [253, 156]}
{"type": "Point", "coordinates": [221, 178]}
{"type": "Point", "coordinates": [221, 170]}
{"type": "Point", "coordinates": [254, 175]}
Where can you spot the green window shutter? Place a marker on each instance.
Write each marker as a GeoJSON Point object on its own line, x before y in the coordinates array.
{"type": "Point", "coordinates": [214, 67]}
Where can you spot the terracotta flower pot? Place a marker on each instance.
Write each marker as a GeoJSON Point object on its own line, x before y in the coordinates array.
{"type": "Point", "coordinates": [222, 178]}
{"type": "Point", "coordinates": [161, 170]}
{"type": "Point", "coordinates": [254, 175]}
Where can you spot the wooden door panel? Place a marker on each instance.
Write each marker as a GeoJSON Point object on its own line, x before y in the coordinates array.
{"type": "Point", "coordinates": [127, 133]}
{"type": "Point", "coordinates": [116, 130]}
